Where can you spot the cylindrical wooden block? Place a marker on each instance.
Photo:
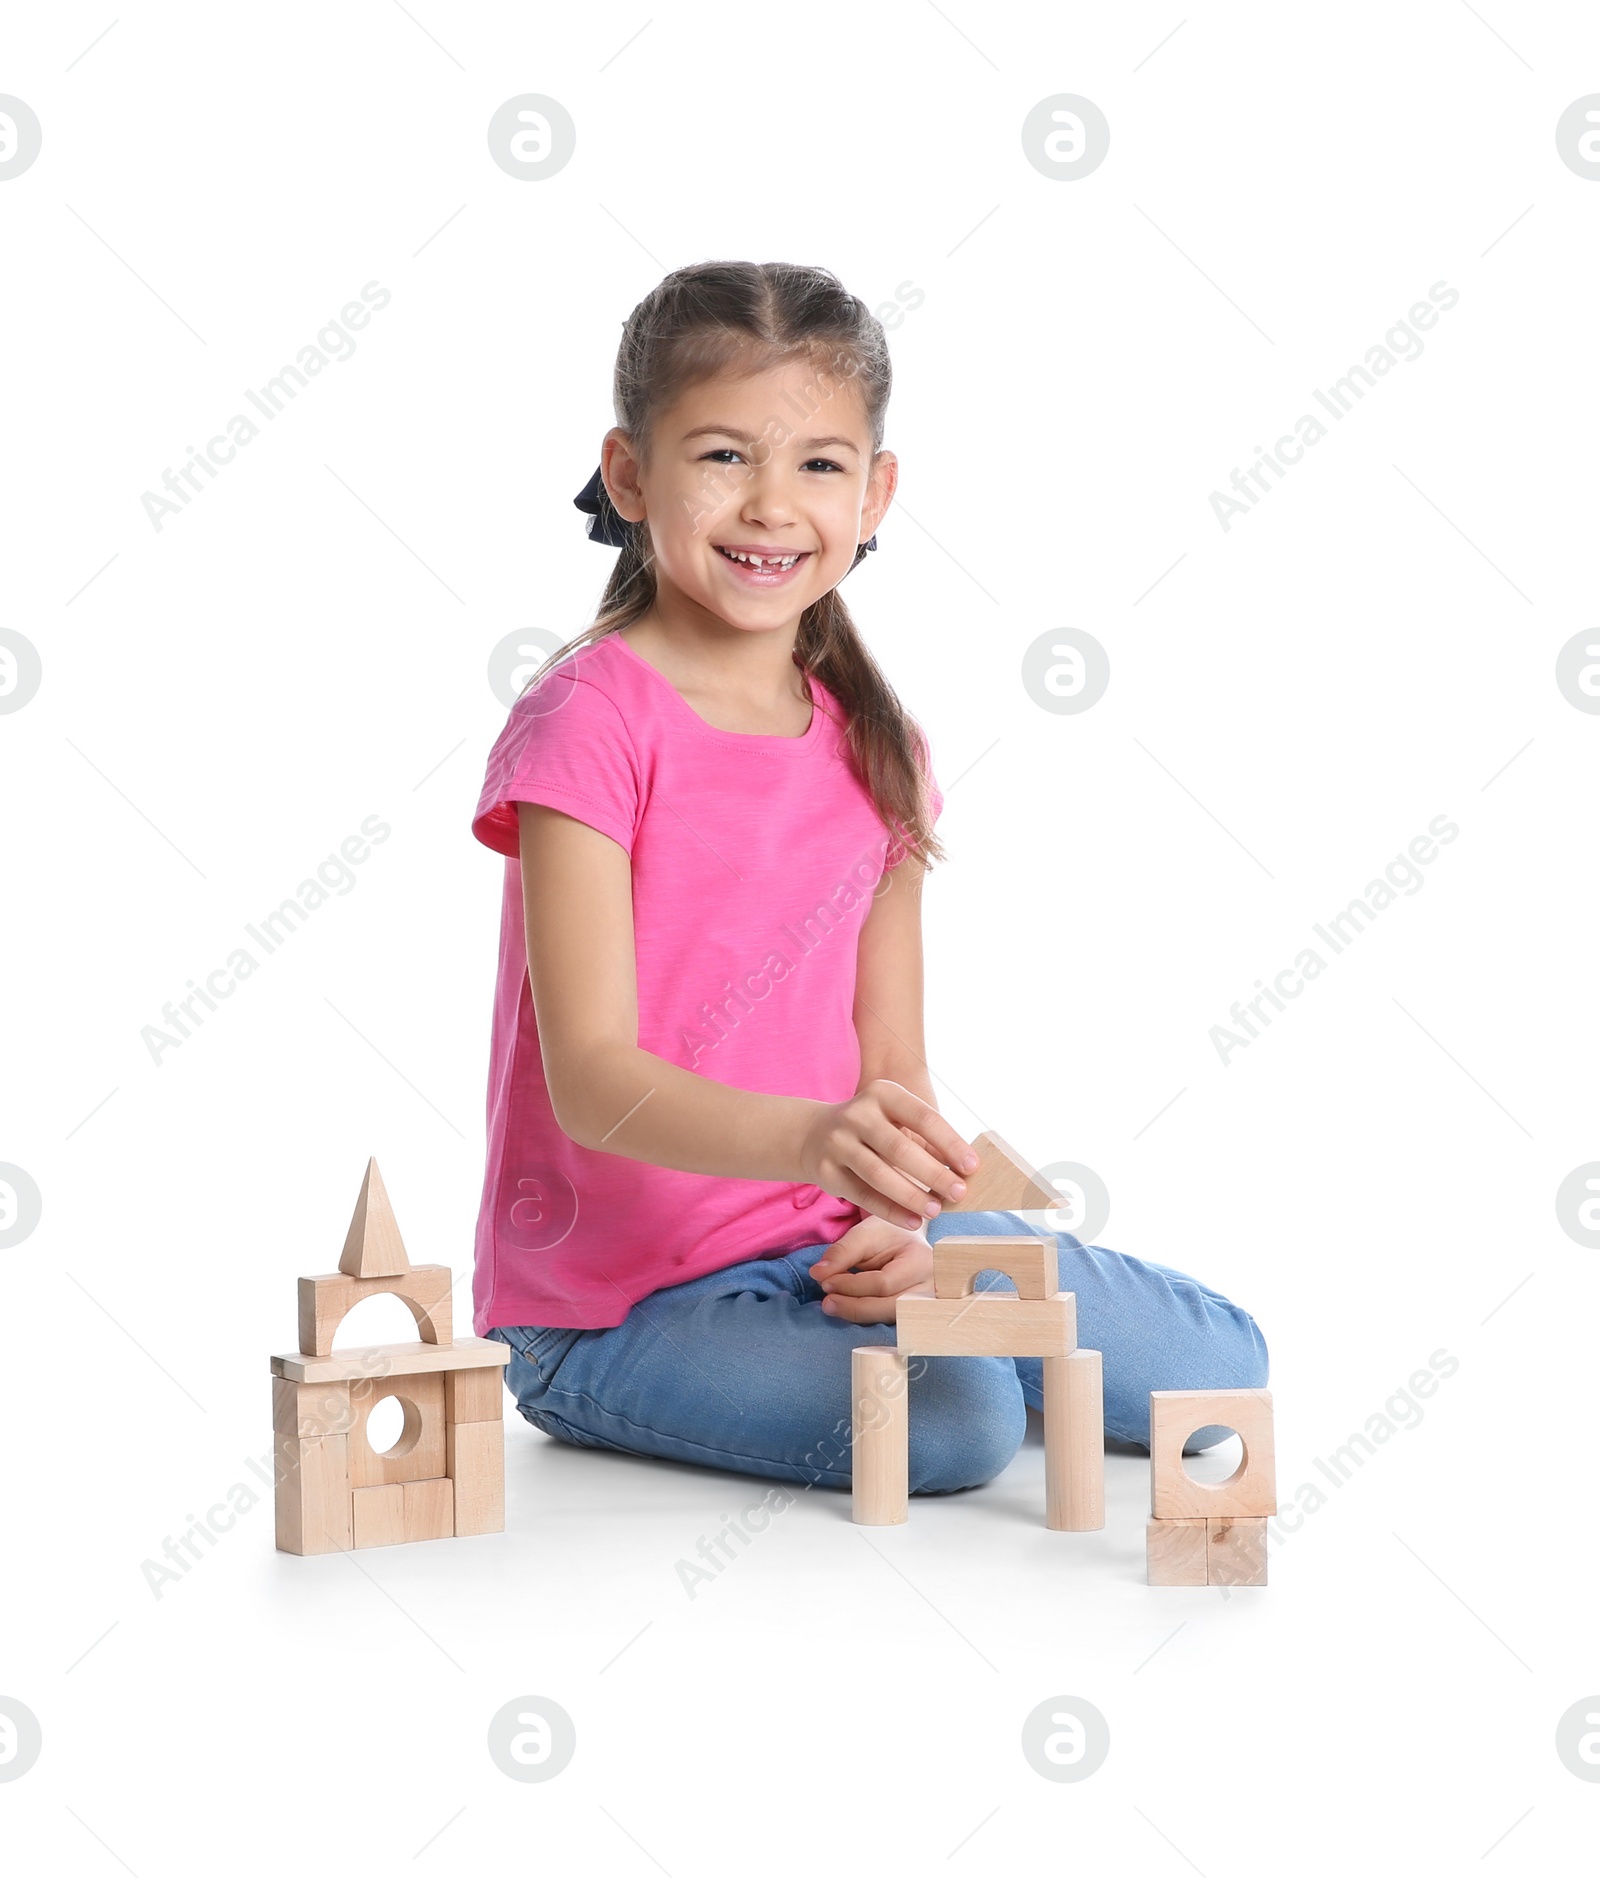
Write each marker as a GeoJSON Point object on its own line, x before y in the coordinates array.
{"type": "Point", "coordinates": [1074, 1443]}
{"type": "Point", "coordinates": [880, 1435]}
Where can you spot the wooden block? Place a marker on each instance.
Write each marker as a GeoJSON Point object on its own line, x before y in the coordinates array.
{"type": "Point", "coordinates": [373, 1247]}
{"type": "Point", "coordinates": [1002, 1181]}
{"type": "Point", "coordinates": [378, 1516]}
{"type": "Point", "coordinates": [477, 1458]}
{"type": "Point", "coordinates": [986, 1325]}
{"type": "Point", "coordinates": [1175, 1552]}
{"type": "Point", "coordinates": [1030, 1264]}
{"type": "Point", "coordinates": [474, 1395]}
{"type": "Point", "coordinates": [419, 1454]}
{"type": "Point", "coordinates": [879, 1435]}
{"type": "Point", "coordinates": [1236, 1551]}
{"type": "Point", "coordinates": [390, 1359]}
{"type": "Point", "coordinates": [326, 1299]}
{"type": "Point", "coordinates": [430, 1509]}
{"type": "Point", "coordinates": [1074, 1443]}
{"type": "Point", "coordinates": [1250, 1492]}
{"type": "Point", "coordinates": [311, 1500]}
{"type": "Point", "coordinates": [310, 1410]}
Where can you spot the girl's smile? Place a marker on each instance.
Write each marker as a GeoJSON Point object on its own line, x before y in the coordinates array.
{"type": "Point", "coordinates": [761, 567]}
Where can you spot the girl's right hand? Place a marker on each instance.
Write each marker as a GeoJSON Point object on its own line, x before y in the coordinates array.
{"type": "Point", "coordinates": [862, 1151]}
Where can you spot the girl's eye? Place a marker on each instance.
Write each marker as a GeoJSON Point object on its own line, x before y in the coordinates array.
{"type": "Point", "coordinates": [726, 452]}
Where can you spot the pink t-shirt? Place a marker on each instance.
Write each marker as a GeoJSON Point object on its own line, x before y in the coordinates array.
{"type": "Point", "coordinates": [754, 862]}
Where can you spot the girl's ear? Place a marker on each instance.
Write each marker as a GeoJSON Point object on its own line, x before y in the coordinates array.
{"type": "Point", "coordinates": [619, 470]}
{"type": "Point", "coordinates": [882, 480]}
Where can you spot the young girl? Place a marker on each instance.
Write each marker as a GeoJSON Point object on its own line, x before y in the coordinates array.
{"type": "Point", "coordinates": [714, 1153]}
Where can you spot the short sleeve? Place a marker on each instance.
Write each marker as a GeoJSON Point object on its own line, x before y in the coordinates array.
{"type": "Point", "coordinates": [898, 847]}
{"type": "Point", "coordinates": [566, 745]}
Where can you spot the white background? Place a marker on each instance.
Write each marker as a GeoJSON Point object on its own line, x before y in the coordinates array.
{"type": "Point", "coordinates": [1291, 702]}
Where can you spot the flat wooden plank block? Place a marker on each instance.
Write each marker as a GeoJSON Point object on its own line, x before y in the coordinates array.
{"type": "Point", "coordinates": [393, 1359]}
{"type": "Point", "coordinates": [1032, 1265]}
{"type": "Point", "coordinates": [1175, 1552]}
{"type": "Point", "coordinates": [474, 1395]}
{"type": "Point", "coordinates": [477, 1456]}
{"type": "Point", "coordinates": [378, 1515]}
{"type": "Point", "coordinates": [419, 1454]}
{"type": "Point", "coordinates": [1002, 1181]}
{"type": "Point", "coordinates": [1236, 1551]}
{"type": "Point", "coordinates": [986, 1325]}
{"type": "Point", "coordinates": [327, 1298]}
{"type": "Point", "coordinates": [373, 1247]}
{"type": "Point", "coordinates": [1074, 1443]}
{"type": "Point", "coordinates": [879, 1435]}
{"type": "Point", "coordinates": [310, 1410]}
{"type": "Point", "coordinates": [1250, 1492]}
{"type": "Point", "coordinates": [430, 1509]}
{"type": "Point", "coordinates": [311, 1500]}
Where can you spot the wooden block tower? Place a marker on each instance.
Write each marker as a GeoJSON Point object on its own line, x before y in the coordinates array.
{"type": "Point", "coordinates": [1200, 1533]}
{"type": "Point", "coordinates": [953, 1319]}
{"type": "Point", "coordinates": [445, 1475]}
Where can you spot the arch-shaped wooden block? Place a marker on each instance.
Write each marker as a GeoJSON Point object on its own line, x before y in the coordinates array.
{"type": "Point", "coordinates": [1250, 1492]}
{"type": "Point", "coordinates": [326, 1300]}
{"type": "Point", "coordinates": [1030, 1264]}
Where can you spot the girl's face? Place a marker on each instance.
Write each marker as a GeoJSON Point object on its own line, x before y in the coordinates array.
{"type": "Point", "coordinates": [758, 491]}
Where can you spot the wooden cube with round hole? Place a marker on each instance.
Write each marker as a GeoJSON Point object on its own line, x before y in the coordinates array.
{"type": "Point", "coordinates": [1249, 1492]}
{"type": "Point", "coordinates": [441, 1475]}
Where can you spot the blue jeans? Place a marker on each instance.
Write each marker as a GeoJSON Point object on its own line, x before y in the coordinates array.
{"type": "Point", "coordinates": [741, 1369]}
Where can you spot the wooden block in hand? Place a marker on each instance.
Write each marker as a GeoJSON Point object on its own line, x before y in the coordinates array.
{"type": "Point", "coordinates": [373, 1247]}
{"type": "Point", "coordinates": [1002, 1182]}
{"type": "Point", "coordinates": [879, 1435]}
{"type": "Point", "coordinates": [1250, 1492]}
{"type": "Point", "coordinates": [326, 1299]}
{"type": "Point", "coordinates": [986, 1324]}
{"type": "Point", "coordinates": [378, 1515]}
{"type": "Point", "coordinates": [1175, 1552]}
{"type": "Point", "coordinates": [419, 1454]}
{"type": "Point", "coordinates": [1236, 1552]}
{"type": "Point", "coordinates": [477, 1465]}
{"type": "Point", "coordinates": [1074, 1443]}
{"type": "Point", "coordinates": [311, 1500]}
{"type": "Point", "coordinates": [1032, 1265]}
{"type": "Point", "coordinates": [474, 1395]}
{"type": "Point", "coordinates": [429, 1510]}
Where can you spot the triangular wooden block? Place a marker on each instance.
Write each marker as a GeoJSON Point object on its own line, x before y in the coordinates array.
{"type": "Point", "coordinates": [373, 1247]}
{"type": "Point", "coordinates": [1003, 1182]}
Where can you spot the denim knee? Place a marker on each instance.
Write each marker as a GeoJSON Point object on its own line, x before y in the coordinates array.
{"type": "Point", "coordinates": [1210, 1344]}
{"type": "Point", "coordinates": [967, 1419]}
{"type": "Point", "coordinates": [1240, 1363]}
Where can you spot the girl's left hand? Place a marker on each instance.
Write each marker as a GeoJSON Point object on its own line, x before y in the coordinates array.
{"type": "Point", "coordinates": [865, 1271]}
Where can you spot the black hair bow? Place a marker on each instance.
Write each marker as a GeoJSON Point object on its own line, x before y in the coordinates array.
{"type": "Point", "coordinates": [605, 526]}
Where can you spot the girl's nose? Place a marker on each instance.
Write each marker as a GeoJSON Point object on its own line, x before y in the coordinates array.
{"type": "Point", "coordinates": [767, 498]}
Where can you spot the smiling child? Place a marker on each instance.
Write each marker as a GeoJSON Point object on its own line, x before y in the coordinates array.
{"type": "Point", "coordinates": [715, 1157]}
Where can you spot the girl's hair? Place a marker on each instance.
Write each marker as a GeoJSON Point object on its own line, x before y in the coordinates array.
{"type": "Point", "coordinates": [743, 317]}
